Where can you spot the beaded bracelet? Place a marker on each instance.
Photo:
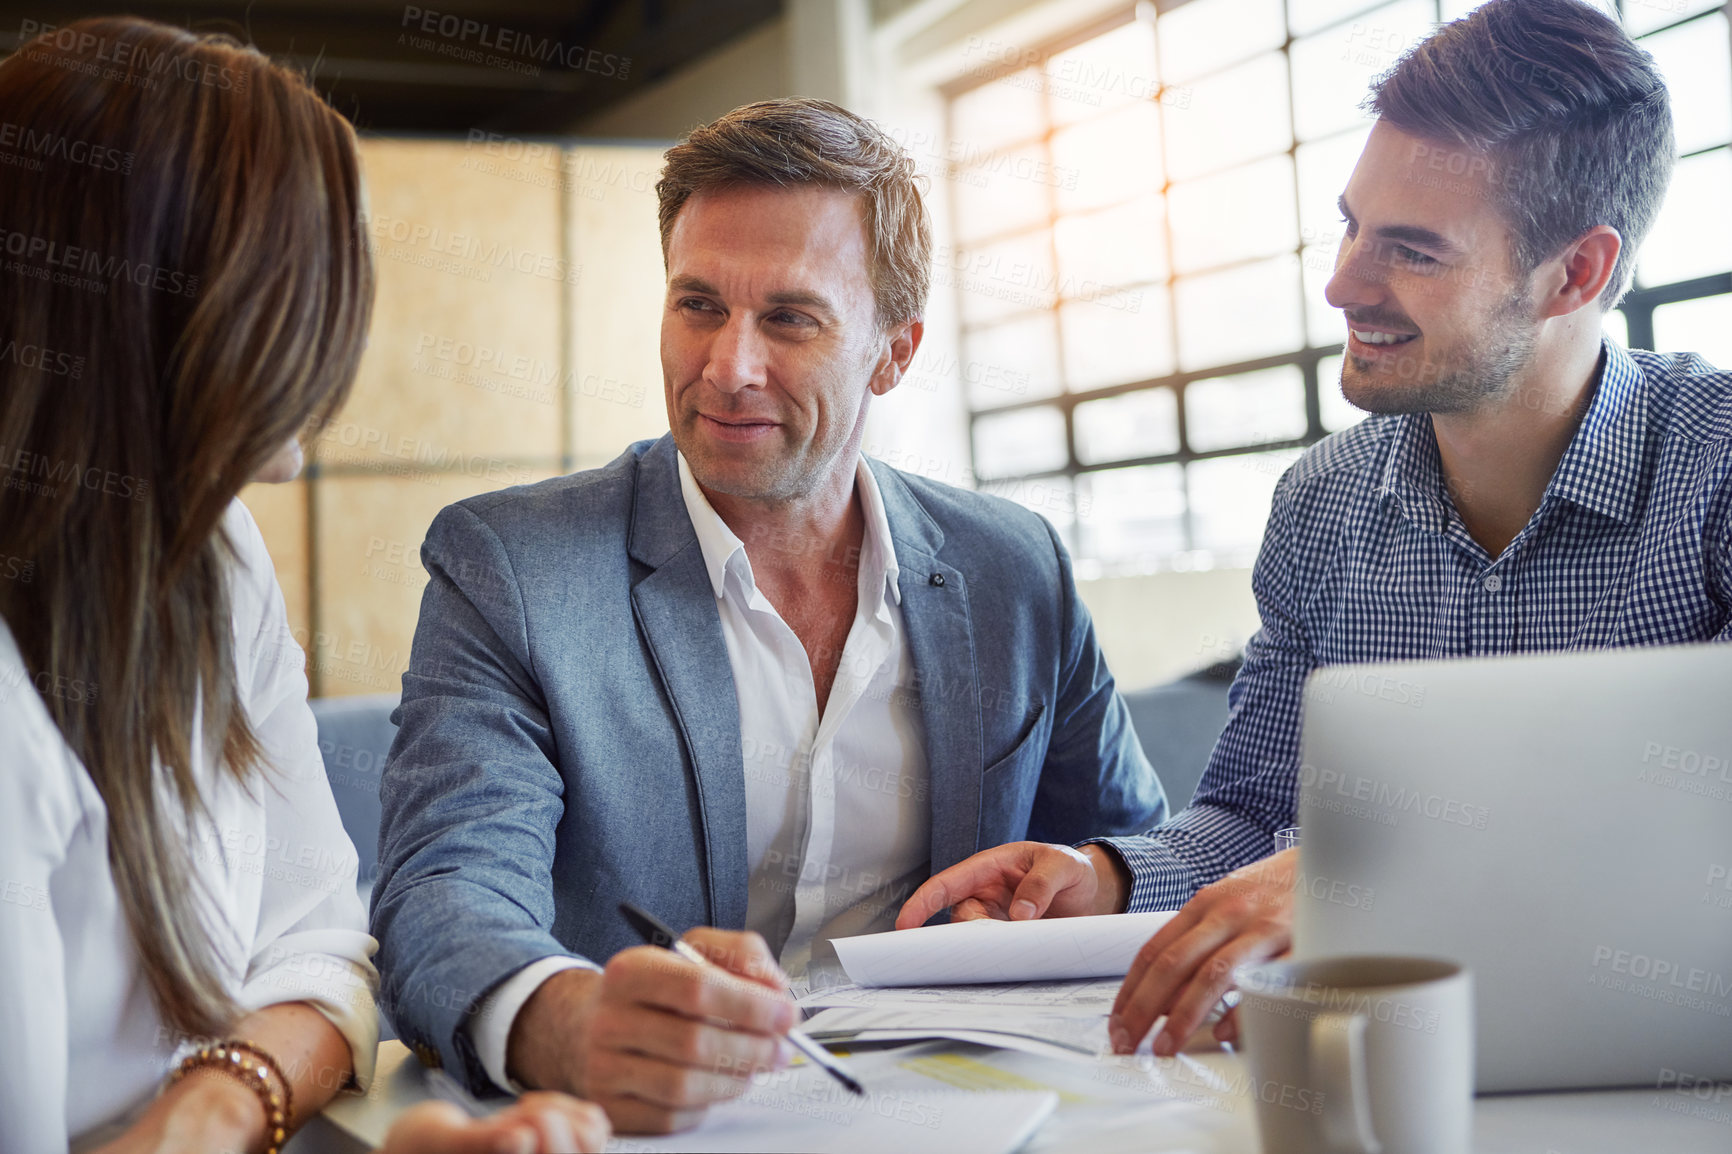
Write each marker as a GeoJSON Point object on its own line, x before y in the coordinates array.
{"type": "Point", "coordinates": [254, 1067]}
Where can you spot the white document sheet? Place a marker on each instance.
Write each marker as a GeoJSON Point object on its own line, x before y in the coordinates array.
{"type": "Point", "coordinates": [1094, 995]}
{"type": "Point", "coordinates": [1073, 1036]}
{"type": "Point", "coordinates": [988, 950]}
{"type": "Point", "coordinates": [801, 1110]}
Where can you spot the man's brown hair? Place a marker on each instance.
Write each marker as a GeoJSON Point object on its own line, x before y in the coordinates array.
{"type": "Point", "coordinates": [1573, 115]}
{"type": "Point", "coordinates": [798, 141]}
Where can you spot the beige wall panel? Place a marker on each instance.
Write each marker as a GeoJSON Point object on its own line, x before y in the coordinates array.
{"type": "Point", "coordinates": [463, 359]}
{"type": "Point", "coordinates": [369, 572]}
{"type": "Point", "coordinates": [1164, 625]}
{"type": "Point", "coordinates": [616, 381]}
{"type": "Point", "coordinates": [281, 511]}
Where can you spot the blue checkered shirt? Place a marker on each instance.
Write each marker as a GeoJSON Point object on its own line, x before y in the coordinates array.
{"type": "Point", "coordinates": [1366, 559]}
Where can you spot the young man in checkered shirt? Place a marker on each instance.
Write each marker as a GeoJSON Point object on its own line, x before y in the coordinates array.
{"type": "Point", "coordinates": [1524, 485]}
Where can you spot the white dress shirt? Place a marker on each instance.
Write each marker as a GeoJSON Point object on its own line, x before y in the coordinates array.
{"type": "Point", "coordinates": [85, 1049]}
{"type": "Point", "coordinates": [838, 829]}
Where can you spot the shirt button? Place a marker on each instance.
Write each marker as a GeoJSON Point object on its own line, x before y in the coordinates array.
{"type": "Point", "coordinates": [938, 579]}
{"type": "Point", "coordinates": [1493, 582]}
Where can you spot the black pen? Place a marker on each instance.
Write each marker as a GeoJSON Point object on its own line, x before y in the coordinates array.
{"type": "Point", "coordinates": [651, 929]}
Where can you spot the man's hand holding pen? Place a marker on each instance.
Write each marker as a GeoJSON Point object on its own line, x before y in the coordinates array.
{"type": "Point", "coordinates": [655, 1038]}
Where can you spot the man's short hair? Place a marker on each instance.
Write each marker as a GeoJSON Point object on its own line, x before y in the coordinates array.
{"type": "Point", "coordinates": [1573, 116]}
{"type": "Point", "coordinates": [798, 141]}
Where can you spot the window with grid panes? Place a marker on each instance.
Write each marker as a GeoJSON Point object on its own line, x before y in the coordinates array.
{"type": "Point", "coordinates": [1145, 220]}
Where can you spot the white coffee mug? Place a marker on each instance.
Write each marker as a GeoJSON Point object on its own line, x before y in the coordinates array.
{"type": "Point", "coordinates": [1359, 1055]}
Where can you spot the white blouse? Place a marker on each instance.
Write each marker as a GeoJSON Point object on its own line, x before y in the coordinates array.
{"type": "Point", "coordinates": [82, 1049]}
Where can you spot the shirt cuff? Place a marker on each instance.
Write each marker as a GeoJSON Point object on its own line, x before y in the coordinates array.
{"type": "Point", "coordinates": [490, 1029]}
{"type": "Point", "coordinates": [1159, 880]}
{"type": "Point", "coordinates": [340, 986]}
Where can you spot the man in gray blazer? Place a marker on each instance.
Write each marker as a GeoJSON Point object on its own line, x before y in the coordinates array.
{"type": "Point", "coordinates": [741, 676]}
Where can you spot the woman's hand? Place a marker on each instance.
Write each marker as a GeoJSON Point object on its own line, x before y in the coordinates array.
{"type": "Point", "coordinates": [207, 1112]}
{"type": "Point", "coordinates": [210, 1111]}
{"type": "Point", "coordinates": [538, 1123]}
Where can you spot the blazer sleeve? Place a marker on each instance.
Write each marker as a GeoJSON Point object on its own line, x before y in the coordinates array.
{"type": "Point", "coordinates": [471, 798]}
{"type": "Point", "coordinates": [1095, 781]}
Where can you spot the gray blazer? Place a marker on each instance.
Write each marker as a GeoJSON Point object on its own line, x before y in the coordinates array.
{"type": "Point", "coordinates": [570, 736]}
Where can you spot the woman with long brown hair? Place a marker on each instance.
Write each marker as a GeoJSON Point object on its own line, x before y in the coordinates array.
{"type": "Point", "coordinates": [185, 288]}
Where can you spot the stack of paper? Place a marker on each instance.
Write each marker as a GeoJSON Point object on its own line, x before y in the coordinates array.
{"type": "Point", "coordinates": [1045, 987]}
{"type": "Point", "coordinates": [1089, 996]}
{"type": "Point", "coordinates": [1057, 1019]}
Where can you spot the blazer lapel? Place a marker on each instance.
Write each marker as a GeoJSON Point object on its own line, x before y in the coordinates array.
{"type": "Point", "coordinates": [941, 641]}
{"type": "Point", "coordinates": [676, 609]}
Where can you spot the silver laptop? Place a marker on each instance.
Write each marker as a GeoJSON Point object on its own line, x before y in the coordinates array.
{"type": "Point", "coordinates": [1562, 824]}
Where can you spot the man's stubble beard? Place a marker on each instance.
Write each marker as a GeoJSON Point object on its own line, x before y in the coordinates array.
{"type": "Point", "coordinates": [1487, 376]}
{"type": "Point", "coordinates": [791, 477]}
{"type": "Point", "coordinates": [776, 480]}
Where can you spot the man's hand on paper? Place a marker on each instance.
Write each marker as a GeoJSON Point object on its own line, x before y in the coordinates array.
{"type": "Point", "coordinates": [1021, 881]}
{"type": "Point", "coordinates": [653, 1038]}
{"type": "Point", "coordinates": [1184, 969]}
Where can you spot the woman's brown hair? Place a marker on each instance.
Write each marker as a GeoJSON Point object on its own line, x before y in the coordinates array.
{"type": "Point", "coordinates": [184, 286]}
